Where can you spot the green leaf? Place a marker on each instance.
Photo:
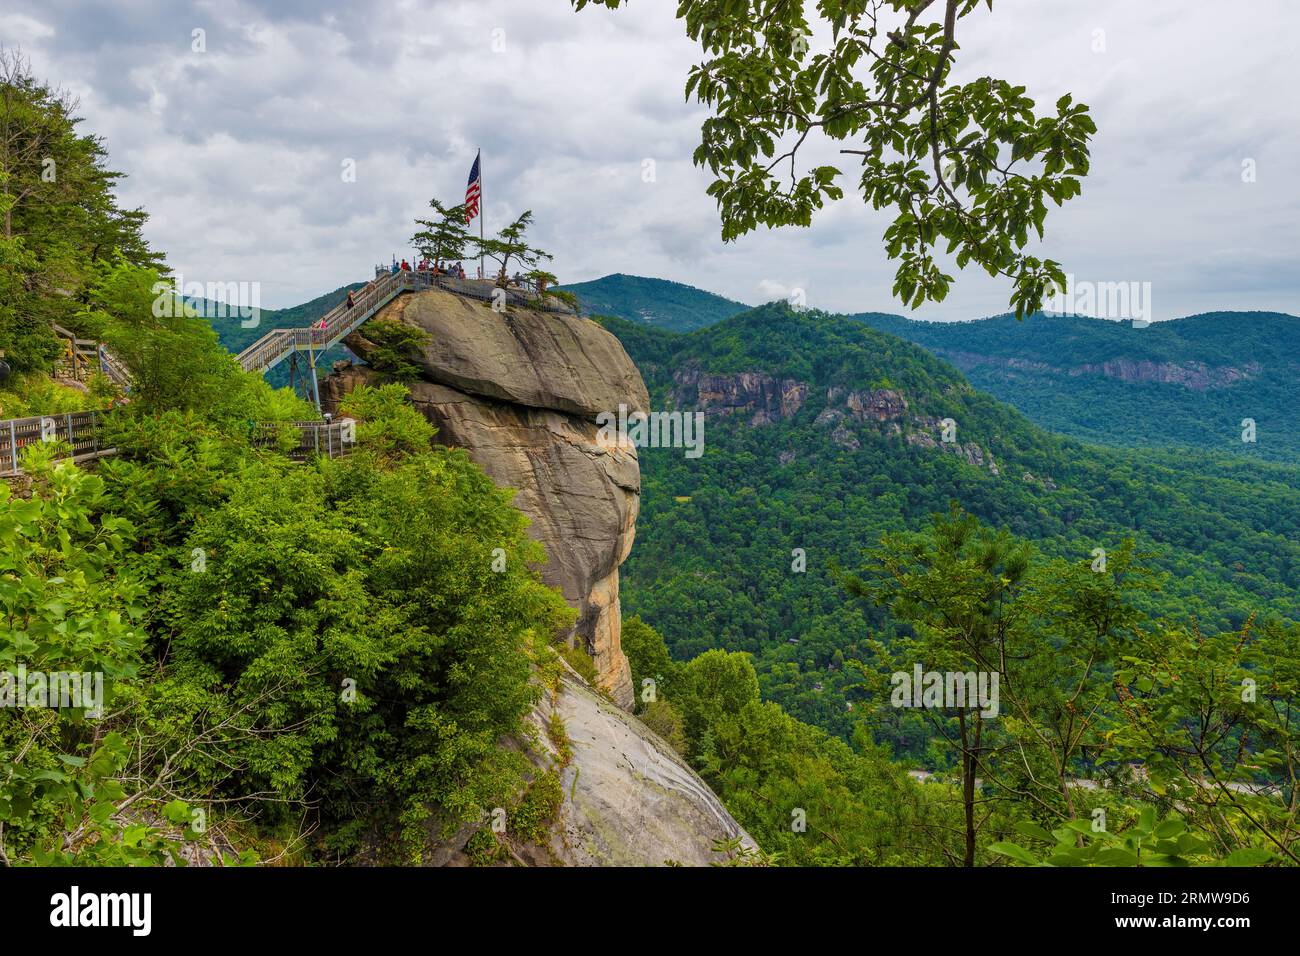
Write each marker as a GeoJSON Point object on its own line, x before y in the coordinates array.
{"type": "Point", "coordinates": [1016, 852]}
{"type": "Point", "coordinates": [1114, 856]}
{"type": "Point", "coordinates": [1170, 828]}
{"type": "Point", "coordinates": [1034, 831]}
{"type": "Point", "coordinates": [1248, 856]}
{"type": "Point", "coordinates": [178, 811]}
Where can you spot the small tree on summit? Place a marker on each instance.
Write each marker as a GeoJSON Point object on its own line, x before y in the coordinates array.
{"type": "Point", "coordinates": [444, 238]}
{"type": "Point", "coordinates": [510, 243]}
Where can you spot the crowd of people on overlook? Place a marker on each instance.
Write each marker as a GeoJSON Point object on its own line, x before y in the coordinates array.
{"type": "Point", "coordinates": [434, 267]}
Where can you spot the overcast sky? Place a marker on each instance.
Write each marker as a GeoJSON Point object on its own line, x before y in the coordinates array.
{"type": "Point", "coordinates": [237, 153]}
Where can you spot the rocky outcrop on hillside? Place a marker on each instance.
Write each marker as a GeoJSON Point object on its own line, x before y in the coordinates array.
{"type": "Point", "coordinates": [1196, 376]}
{"type": "Point", "coordinates": [764, 399]}
{"type": "Point", "coordinates": [520, 392]}
{"type": "Point", "coordinates": [627, 798]}
{"type": "Point", "coordinates": [630, 800]}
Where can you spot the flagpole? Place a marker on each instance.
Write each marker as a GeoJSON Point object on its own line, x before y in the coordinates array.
{"type": "Point", "coordinates": [481, 209]}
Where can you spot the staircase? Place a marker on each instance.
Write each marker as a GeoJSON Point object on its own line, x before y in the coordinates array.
{"type": "Point", "coordinates": [341, 321]}
{"type": "Point", "coordinates": [88, 354]}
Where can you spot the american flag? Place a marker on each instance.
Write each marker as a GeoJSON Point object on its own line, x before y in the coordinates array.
{"type": "Point", "coordinates": [472, 191]}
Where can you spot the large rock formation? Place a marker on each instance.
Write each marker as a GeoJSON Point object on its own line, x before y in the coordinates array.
{"type": "Point", "coordinates": [630, 800]}
{"type": "Point", "coordinates": [764, 399]}
{"type": "Point", "coordinates": [520, 392]}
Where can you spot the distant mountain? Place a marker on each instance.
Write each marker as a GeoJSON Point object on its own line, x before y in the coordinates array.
{"type": "Point", "coordinates": [656, 302]}
{"type": "Point", "coordinates": [1189, 382]}
{"type": "Point", "coordinates": [823, 432]}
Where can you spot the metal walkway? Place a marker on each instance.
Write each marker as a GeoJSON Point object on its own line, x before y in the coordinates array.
{"type": "Point", "coordinates": [341, 321]}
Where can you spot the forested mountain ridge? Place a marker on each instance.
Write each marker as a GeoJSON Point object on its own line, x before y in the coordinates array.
{"type": "Point", "coordinates": [1186, 382]}
{"type": "Point", "coordinates": [790, 462]}
{"type": "Point", "coordinates": [656, 302]}
{"type": "Point", "coordinates": [1189, 381]}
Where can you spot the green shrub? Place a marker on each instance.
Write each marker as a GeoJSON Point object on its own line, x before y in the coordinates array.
{"type": "Point", "coordinates": [69, 603]}
{"type": "Point", "coordinates": [395, 346]}
{"type": "Point", "coordinates": [531, 819]}
{"type": "Point", "coordinates": [349, 616]}
{"type": "Point", "coordinates": [36, 393]}
{"type": "Point", "coordinates": [578, 658]}
{"type": "Point", "coordinates": [665, 720]}
{"type": "Point", "coordinates": [483, 848]}
{"type": "Point", "coordinates": [388, 426]}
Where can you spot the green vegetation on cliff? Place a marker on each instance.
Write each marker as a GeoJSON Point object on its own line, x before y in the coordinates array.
{"type": "Point", "coordinates": [287, 648]}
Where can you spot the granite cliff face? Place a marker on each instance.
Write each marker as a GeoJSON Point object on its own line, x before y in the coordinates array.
{"type": "Point", "coordinates": [629, 799]}
{"type": "Point", "coordinates": [763, 399]}
{"type": "Point", "coordinates": [520, 392]}
{"type": "Point", "coordinates": [632, 801]}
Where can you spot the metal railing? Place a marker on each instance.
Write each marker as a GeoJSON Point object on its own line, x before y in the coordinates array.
{"type": "Point", "coordinates": [339, 322]}
{"type": "Point", "coordinates": [114, 369]}
{"type": "Point", "coordinates": [342, 320]}
{"type": "Point", "coordinates": [332, 439]}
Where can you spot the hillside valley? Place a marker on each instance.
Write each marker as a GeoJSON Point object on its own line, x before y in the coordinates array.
{"type": "Point", "coordinates": [823, 433]}
{"type": "Point", "coordinates": [1186, 382]}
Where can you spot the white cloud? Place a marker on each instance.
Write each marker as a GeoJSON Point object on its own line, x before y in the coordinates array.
{"type": "Point", "coordinates": [236, 152]}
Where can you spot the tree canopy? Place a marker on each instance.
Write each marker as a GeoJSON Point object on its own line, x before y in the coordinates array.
{"type": "Point", "coordinates": [60, 220]}
{"type": "Point", "coordinates": [967, 168]}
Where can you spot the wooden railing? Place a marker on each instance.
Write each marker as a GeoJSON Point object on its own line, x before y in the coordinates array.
{"type": "Point", "coordinates": [83, 432]}
{"type": "Point", "coordinates": [91, 354]}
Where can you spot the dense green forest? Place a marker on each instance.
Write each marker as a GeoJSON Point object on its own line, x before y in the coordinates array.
{"type": "Point", "coordinates": [712, 566]}
{"type": "Point", "coordinates": [1185, 382]}
{"type": "Point", "coordinates": [756, 550]}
